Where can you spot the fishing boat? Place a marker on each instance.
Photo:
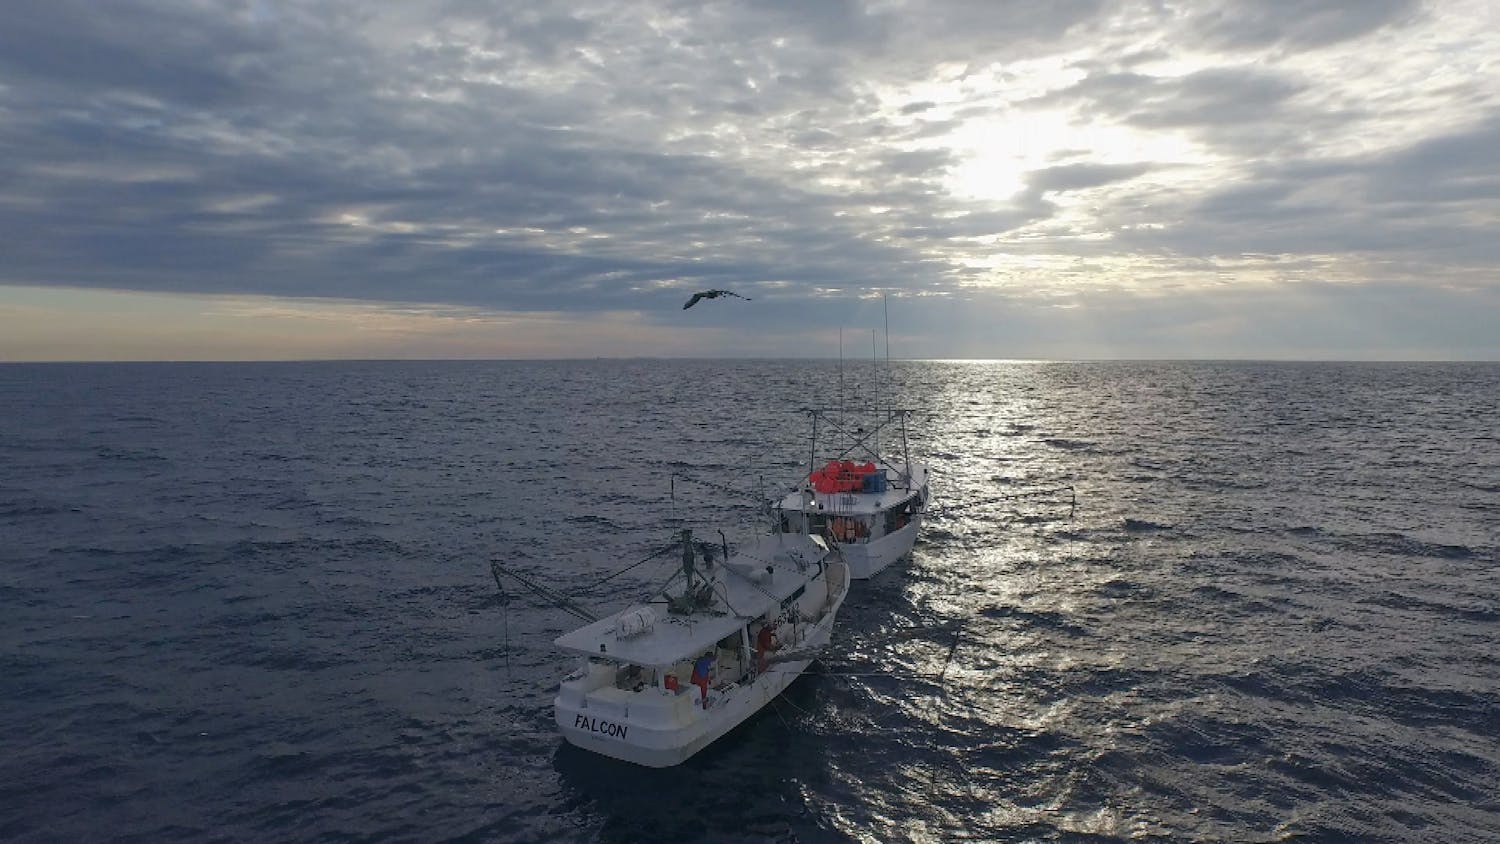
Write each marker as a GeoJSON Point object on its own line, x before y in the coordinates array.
{"type": "Point", "coordinates": [662, 680]}
{"type": "Point", "coordinates": [869, 505]}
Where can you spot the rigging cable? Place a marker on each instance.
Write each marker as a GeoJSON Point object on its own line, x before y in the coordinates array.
{"type": "Point", "coordinates": [657, 553]}
{"type": "Point", "coordinates": [562, 601]}
{"type": "Point", "coordinates": [739, 494]}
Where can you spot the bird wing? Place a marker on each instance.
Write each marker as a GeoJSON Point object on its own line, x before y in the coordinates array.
{"type": "Point", "coordinates": [712, 294]}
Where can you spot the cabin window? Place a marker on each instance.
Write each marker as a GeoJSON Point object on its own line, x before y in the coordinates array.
{"type": "Point", "coordinates": [849, 529]}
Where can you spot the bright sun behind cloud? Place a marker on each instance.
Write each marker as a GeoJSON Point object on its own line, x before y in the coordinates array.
{"type": "Point", "coordinates": [997, 154]}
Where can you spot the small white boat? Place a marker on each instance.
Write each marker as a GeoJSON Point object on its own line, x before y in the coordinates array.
{"type": "Point", "coordinates": [663, 680]}
{"type": "Point", "coordinates": [871, 510]}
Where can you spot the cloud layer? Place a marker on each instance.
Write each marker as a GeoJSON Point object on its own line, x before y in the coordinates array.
{"type": "Point", "coordinates": [610, 157]}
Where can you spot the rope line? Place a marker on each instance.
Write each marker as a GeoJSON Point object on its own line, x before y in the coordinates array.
{"type": "Point", "coordinates": [657, 553]}
{"type": "Point", "coordinates": [739, 494]}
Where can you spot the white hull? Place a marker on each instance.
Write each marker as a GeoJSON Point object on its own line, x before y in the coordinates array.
{"type": "Point", "coordinates": [658, 728]}
{"type": "Point", "coordinates": [868, 549]}
{"type": "Point", "coordinates": [660, 737]}
{"type": "Point", "coordinates": [867, 559]}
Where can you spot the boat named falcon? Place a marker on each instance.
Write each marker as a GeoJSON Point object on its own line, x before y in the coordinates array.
{"type": "Point", "coordinates": [662, 680]}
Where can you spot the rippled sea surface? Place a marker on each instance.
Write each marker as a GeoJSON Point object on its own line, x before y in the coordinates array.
{"type": "Point", "coordinates": [253, 602]}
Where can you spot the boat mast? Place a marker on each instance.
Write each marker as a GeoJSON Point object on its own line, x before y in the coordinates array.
{"type": "Point", "coordinates": [688, 567]}
{"type": "Point", "coordinates": [812, 457]}
{"type": "Point", "coordinates": [841, 380]}
{"type": "Point", "coordinates": [885, 300]}
{"type": "Point", "coordinates": [905, 449]}
{"type": "Point", "coordinates": [875, 364]}
{"type": "Point", "coordinates": [694, 595]}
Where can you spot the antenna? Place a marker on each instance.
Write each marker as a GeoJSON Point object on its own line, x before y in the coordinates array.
{"type": "Point", "coordinates": [885, 302]}
{"type": "Point", "coordinates": [875, 363]}
{"type": "Point", "coordinates": [841, 378]}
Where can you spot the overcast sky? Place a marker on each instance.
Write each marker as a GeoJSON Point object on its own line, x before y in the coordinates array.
{"type": "Point", "coordinates": [1023, 178]}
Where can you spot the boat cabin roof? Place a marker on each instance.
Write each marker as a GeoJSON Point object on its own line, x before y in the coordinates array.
{"type": "Point", "coordinates": [741, 599]}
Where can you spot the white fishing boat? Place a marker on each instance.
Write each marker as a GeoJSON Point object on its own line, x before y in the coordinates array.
{"type": "Point", "coordinates": [871, 509]}
{"type": "Point", "coordinates": [662, 680]}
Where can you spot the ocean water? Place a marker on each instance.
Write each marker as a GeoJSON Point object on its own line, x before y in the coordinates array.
{"type": "Point", "coordinates": [253, 602]}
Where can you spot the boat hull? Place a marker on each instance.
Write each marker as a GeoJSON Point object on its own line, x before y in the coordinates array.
{"type": "Point", "coordinates": [869, 551]}
{"type": "Point", "coordinates": [867, 559]}
{"type": "Point", "coordinates": [659, 729]}
{"type": "Point", "coordinates": [663, 743]}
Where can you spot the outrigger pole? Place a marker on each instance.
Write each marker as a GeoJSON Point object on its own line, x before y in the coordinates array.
{"type": "Point", "coordinates": [563, 602]}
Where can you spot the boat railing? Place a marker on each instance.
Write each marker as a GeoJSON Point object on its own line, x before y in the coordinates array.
{"type": "Point", "coordinates": [837, 576]}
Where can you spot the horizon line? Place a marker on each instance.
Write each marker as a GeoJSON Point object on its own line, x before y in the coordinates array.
{"type": "Point", "coordinates": [583, 358]}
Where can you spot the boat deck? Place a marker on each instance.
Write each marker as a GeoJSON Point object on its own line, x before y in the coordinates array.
{"type": "Point", "coordinates": [675, 638]}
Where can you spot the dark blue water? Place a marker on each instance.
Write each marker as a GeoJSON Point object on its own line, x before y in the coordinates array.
{"type": "Point", "coordinates": [252, 602]}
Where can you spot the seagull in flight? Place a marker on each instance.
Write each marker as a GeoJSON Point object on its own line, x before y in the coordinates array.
{"type": "Point", "coordinates": [712, 294]}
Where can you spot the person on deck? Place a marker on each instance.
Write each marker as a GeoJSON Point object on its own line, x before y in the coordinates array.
{"type": "Point", "coordinates": [702, 674]}
{"type": "Point", "coordinates": [765, 643]}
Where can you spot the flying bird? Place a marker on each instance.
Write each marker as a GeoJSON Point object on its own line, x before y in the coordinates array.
{"type": "Point", "coordinates": [712, 294]}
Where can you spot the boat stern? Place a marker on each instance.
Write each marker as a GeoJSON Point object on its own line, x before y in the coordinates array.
{"type": "Point", "coordinates": [653, 727]}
